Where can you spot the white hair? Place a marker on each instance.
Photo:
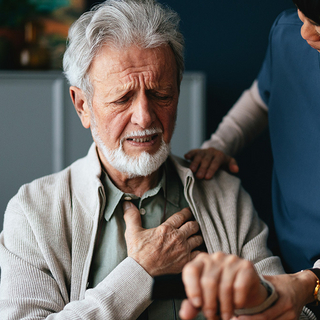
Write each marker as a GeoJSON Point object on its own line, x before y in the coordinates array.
{"type": "Point", "coordinates": [120, 24]}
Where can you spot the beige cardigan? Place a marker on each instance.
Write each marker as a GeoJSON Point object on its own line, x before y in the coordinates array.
{"type": "Point", "coordinates": [49, 233]}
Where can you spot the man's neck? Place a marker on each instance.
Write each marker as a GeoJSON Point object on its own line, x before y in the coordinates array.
{"type": "Point", "coordinates": [137, 186]}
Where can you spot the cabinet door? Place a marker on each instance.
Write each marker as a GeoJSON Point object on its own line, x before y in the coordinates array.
{"type": "Point", "coordinates": [28, 105]}
{"type": "Point", "coordinates": [190, 126]}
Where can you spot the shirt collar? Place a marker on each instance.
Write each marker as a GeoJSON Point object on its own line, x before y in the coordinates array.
{"type": "Point", "coordinates": [113, 194]}
{"type": "Point", "coordinates": [168, 183]}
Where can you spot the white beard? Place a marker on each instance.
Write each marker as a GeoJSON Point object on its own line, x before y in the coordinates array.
{"type": "Point", "coordinates": [138, 166]}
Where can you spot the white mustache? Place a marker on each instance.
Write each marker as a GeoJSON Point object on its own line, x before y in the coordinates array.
{"type": "Point", "coordinates": [141, 133]}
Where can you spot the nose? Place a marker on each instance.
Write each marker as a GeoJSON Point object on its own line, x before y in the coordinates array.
{"type": "Point", "coordinates": [142, 112]}
{"type": "Point", "coordinates": [308, 32]}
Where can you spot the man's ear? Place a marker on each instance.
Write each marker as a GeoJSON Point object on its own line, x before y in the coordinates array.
{"type": "Point", "coordinates": [81, 105]}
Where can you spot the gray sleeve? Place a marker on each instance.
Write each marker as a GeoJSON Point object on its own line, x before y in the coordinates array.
{"type": "Point", "coordinates": [252, 235]}
{"type": "Point", "coordinates": [230, 223]}
{"type": "Point", "coordinates": [243, 123]}
{"type": "Point", "coordinates": [124, 295]}
{"type": "Point", "coordinates": [36, 282]}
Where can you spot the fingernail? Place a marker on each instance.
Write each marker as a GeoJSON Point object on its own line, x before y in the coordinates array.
{"type": "Point", "coordinates": [127, 205]}
{"type": "Point", "coordinates": [197, 302]}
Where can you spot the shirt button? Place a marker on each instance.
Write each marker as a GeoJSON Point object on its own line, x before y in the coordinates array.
{"type": "Point", "coordinates": [127, 198]}
{"type": "Point", "coordinates": [142, 211]}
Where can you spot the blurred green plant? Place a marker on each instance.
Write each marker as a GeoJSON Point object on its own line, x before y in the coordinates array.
{"type": "Point", "coordinates": [14, 13]}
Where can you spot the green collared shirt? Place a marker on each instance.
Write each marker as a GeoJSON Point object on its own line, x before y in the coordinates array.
{"type": "Point", "coordinates": [155, 206]}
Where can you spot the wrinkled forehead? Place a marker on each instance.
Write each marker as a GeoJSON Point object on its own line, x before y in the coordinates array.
{"type": "Point", "coordinates": [113, 64]}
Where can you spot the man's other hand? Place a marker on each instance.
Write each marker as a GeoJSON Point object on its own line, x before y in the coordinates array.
{"type": "Point", "coordinates": [205, 162]}
{"type": "Point", "coordinates": [294, 290]}
{"type": "Point", "coordinates": [165, 249]}
{"type": "Point", "coordinates": [218, 284]}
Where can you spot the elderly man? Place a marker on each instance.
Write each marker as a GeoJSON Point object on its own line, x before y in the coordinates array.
{"type": "Point", "coordinates": [85, 243]}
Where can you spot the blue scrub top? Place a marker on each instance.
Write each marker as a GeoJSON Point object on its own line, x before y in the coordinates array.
{"type": "Point", "coordinates": [289, 83]}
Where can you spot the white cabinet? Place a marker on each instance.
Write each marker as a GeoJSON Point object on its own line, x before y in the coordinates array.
{"type": "Point", "coordinates": [40, 132]}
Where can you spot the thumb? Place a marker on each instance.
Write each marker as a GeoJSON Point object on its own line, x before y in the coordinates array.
{"type": "Point", "coordinates": [131, 215]}
{"type": "Point", "coordinates": [233, 165]}
{"type": "Point", "coordinates": [187, 310]}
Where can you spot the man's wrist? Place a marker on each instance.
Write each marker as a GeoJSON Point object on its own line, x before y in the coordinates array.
{"type": "Point", "coordinates": [311, 284]}
{"type": "Point", "coordinates": [271, 298]}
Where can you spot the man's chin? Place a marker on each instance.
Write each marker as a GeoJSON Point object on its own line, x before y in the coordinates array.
{"type": "Point", "coordinates": [138, 155]}
{"type": "Point", "coordinates": [142, 165]}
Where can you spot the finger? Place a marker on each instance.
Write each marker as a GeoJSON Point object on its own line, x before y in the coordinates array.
{"type": "Point", "coordinates": [179, 218]}
{"type": "Point", "coordinates": [215, 164]}
{"type": "Point", "coordinates": [284, 316]}
{"type": "Point", "coordinates": [191, 153]}
{"type": "Point", "coordinates": [258, 316]}
{"type": "Point", "coordinates": [233, 166]}
{"type": "Point", "coordinates": [195, 241]}
{"type": "Point", "coordinates": [191, 275]}
{"type": "Point", "coordinates": [210, 288]}
{"type": "Point", "coordinates": [187, 310]}
{"type": "Point", "coordinates": [196, 161]}
{"type": "Point", "coordinates": [246, 283]}
{"type": "Point", "coordinates": [189, 228]}
{"type": "Point", "coordinates": [131, 216]}
{"type": "Point", "coordinates": [266, 315]}
{"type": "Point", "coordinates": [275, 312]}
{"type": "Point", "coordinates": [226, 287]}
{"type": "Point", "coordinates": [194, 254]}
{"type": "Point", "coordinates": [206, 164]}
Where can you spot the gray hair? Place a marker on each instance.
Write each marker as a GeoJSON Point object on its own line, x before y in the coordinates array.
{"type": "Point", "coordinates": [120, 24]}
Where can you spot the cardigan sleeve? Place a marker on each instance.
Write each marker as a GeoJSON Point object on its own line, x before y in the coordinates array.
{"type": "Point", "coordinates": [37, 280]}
{"type": "Point", "coordinates": [243, 123]}
{"type": "Point", "coordinates": [32, 294]}
{"type": "Point", "coordinates": [230, 223]}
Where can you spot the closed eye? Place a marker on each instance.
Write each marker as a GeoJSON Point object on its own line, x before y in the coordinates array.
{"type": "Point", "coordinates": [159, 96]}
{"type": "Point", "coordinates": [123, 100]}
